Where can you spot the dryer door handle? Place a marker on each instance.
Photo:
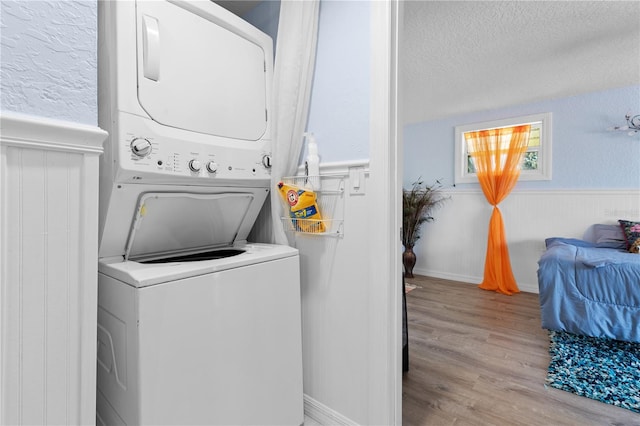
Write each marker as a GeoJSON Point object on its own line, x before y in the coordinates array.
{"type": "Point", "coordinates": [150, 48]}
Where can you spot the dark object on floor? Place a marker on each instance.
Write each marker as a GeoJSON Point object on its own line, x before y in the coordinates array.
{"type": "Point", "coordinates": [606, 370]}
{"type": "Point", "coordinates": [405, 333]}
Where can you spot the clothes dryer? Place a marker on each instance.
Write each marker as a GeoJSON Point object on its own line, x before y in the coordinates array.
{"type": "Point", "coordinates": [195, 324]}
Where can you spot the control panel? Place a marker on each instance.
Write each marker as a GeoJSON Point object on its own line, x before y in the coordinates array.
{"type": "Point", "coordinates": [143, 154]}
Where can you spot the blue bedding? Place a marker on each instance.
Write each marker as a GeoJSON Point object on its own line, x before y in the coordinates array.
{"type": "Point", "coordinates": [589, 290]}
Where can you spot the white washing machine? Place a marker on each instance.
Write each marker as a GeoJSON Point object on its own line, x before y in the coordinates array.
{"type": "Point", "coordinates": [195, 325]}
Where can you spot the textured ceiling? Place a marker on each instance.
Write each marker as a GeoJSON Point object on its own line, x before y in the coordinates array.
{"type": "Point", "coordinates": [465, 56]}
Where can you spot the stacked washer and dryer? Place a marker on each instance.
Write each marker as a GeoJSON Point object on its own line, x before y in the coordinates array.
{"type": "Point", "coordinates": [195, 325]}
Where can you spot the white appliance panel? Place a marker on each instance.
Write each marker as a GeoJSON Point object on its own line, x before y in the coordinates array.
{"type": "Point", "coordinates": [170, 222]}
{"type": "Point", "coordinates": [118, 214]}
{"type": "Point", "coordinates": [248, 355]}
{"type": "Point", "coordinates": [197, 75]}
{"type": "Point", "coordinates": [137, 274]}
{"type": "Point", "coordinates": [205, 97]}
{"type": "Point", "coordinates": [172, 154]}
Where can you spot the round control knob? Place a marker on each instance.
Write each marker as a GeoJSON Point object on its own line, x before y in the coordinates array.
{"type": "Point", "coordinates": [195, 165]}
{"type": "Point", "coordinates": [140, 147]}
{"type": "Point", "coordinates": [266, 161]}
{"type": "Point", "coordinates": [212, 167]}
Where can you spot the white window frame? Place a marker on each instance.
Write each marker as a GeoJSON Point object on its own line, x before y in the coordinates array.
{"type": "Point", "coordinates": [544, 151]}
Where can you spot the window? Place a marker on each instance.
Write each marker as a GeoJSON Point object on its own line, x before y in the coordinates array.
{"type": "Point", "coordinates": [536, 164]}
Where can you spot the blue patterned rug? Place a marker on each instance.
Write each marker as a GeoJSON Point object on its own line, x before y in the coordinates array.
{"type": "Point", "coordinates": [602, 369]}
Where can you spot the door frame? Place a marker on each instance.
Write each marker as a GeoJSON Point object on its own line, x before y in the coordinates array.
{"type": "Point", "coordinates": [385, 330]}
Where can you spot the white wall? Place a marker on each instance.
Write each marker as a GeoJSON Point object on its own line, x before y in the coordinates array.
{"type": "Point", "coordinates": [48, 270]}
{"type": "Point", "coordinates": [335, 277]}
{"type": "Point", "coordinates": [49, 65]}
{"type": "Point", "coordinates": [454, 246]}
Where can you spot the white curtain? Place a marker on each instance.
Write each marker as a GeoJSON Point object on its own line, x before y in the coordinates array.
{"type": "Point", "coordinates": [292, 80]}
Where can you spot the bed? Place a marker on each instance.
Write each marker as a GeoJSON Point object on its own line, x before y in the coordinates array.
{"type": "Point", "coordinates": [591, 286]}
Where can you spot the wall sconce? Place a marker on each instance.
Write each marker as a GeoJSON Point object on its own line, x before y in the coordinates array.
{"type": "Point", "coordinates": [633, 124]}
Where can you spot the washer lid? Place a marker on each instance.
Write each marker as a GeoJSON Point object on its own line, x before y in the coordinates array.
{"type": "Point", "coordinates": [174, 222]}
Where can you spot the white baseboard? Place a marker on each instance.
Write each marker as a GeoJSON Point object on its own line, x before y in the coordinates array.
{"type": "Point", "coordinates": [323, 414]}
{"type": "Point", "coordinates": [447, 276]}
{"type": "Point", "coordinates": [525, 287]}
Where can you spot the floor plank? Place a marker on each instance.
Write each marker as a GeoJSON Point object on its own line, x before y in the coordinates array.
{"type": "Point", "coordinates": [480, 358]}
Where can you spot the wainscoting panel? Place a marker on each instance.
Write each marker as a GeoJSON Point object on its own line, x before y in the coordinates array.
{"type": "Point", "coordinates": [48, 270]}
{"type": "Point", "coordinates": [336, 289]}
{"type": "Point", "coordinates": [454, 246]}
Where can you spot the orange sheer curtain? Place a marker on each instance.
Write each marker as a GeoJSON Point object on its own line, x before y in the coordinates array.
{"type": "Point", "coordinates": [497, 155]}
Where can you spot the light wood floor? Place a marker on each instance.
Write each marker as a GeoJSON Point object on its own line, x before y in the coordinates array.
{"type": "Point", "coordinates": [480, 358]}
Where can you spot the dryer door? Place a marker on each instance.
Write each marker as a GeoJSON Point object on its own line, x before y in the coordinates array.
{"type": "Point", "coordinates": [197, 73]}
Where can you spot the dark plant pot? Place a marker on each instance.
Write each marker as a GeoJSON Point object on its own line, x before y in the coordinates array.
{"type": "Point", "coordinates": [409, 261]}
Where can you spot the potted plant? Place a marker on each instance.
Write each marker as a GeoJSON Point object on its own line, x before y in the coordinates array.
{"type": "Point", "coordinates": [418, 204]}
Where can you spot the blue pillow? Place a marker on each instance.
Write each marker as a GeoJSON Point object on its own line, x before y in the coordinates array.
{"type": "Point", "coordinates": [609, 236]}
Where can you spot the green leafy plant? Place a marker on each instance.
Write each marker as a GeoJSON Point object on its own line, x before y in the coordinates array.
{"type": "Point", "coordinates": [418, 203]}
